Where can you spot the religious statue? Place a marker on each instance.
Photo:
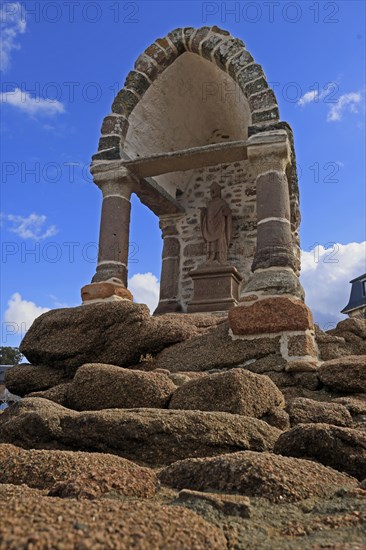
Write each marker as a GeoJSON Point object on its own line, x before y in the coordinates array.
{"type": "Point", "coordinates": [216, 226]}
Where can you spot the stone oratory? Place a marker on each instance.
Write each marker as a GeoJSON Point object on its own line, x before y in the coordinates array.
{"type": "Point", "coordinates": [196, 134]}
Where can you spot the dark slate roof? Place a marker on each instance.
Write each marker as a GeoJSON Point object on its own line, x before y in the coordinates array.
{"type": "Point", "coordinates": [359, 278]}
{"type": "Point", "coordinates": [358, 294]}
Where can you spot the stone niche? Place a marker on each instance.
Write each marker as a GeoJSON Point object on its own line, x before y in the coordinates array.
{"type": "Point", "coordinates": [194, 103]}
{"type": "Point", "coordinates": [192, 90]}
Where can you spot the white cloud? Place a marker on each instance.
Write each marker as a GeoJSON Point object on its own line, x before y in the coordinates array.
{"type": "Point", "coordinates": [325, 276]}
{"type": "Point", "coordinates": [336, 109]}
{"type": "Point", "coordinates": [313, 96]}
{"type": "Point", "coordinates": [12, 23]}
{"type": "Point", "coordinates": [309, 97]}
{"type": "Point", "coordinates": [20, 314]}
{"type": "Point", "coordinates": [60, 305]}
{"type": "Point", "coordinates": [31, 105]}
{"type": "Point", "coordinates": [350, 101]}
{"type": "Point", "coordinates": [145, 289]}
{"type": "Point", "coordinates": [31, 227]}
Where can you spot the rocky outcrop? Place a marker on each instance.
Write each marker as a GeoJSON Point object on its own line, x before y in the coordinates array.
{"type": "Point", "coordinates": [233, 505]}
{"type": "Point", "coordinates": [115, 333]}
{"type": "Point", "coordinates": [347, 338]}
{"type": "Point", "coordinates": [215, 350]}
{"type": "Point", "coordinates": [343, 449]}
{"type": "Point", "coordinates": [58, 394]}
{"type": "Point", "coordinates": [236, 391]}
{"type": "Point", "coordinates": [277, 417]}
{"type": "Point", "coordinates": [355, 404]}
{"type": "Point", "coordinates": [62, 472]}
{"type": "Point", "coordinates": [23, 379]}
{"type": "Point", "coordinates": [181, 378]}
{"type": "Point", "coordinates": [270, 363]}
{"type": "Point", "coordinates": [345, 374]}
{"type": "Point", "coordinates": [303, 380]}
{"type": "Point", "coordinates": [352, 330]}
{"type": "Point", "coordinates": [275, 478]}
{"type": "Point", "coordinates": [97, 386]}
{"type": "Point", "coordinates": [308, 411]}
{"type": "Point", "coordinates": [330, 346]}
{"type": "Point", "coordinates": [148, 436]}
{"type": "Point", "coordinates": [100, 524]}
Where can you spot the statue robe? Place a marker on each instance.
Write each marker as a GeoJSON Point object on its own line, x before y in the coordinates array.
{"type": "Point", "coordinates": [216, 229]}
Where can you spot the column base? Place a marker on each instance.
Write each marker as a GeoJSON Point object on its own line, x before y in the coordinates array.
{"type": "Point", "coordinates": [170, 306]}
{"type": "Point", "coordinates": [274, 316]}
{"type": "Point", "coordinates": [104, 291]}
{"type": "Point", "coordinates": [216, 288]}
{"type": "Point", "coordinates": [271, 315]}
{"type": "Point", "coordinates": [116, 271]}
{"type": "Point", "coordinates": [274, 281]}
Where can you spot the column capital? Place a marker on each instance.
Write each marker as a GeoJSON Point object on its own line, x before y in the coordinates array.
{"type": "Point", "coordinates": [168, 224]}
{"type": "Point", "coordinates": [269, 151]}
{"type": "Point", "coordinates": [113, 179]}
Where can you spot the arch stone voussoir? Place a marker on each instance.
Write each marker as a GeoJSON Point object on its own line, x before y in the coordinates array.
{"type": "Point", "coordinates": [256, 86]}
{"type": "Point", "coordinates": [115, 124]}
{"type": "Point", "coordinates": [109, 143]}
{"type": "Point", "coordinates": [158, 54]}
{"type": "Point", "coordinates": [227, 49]}
{"type": "Point", "coordinates": [267, 115]}
{"type": "Point", "coordinates": [238, 62]}
{"type": "Point", "coordinates": [176, 38]}
{"type": "Point", "coordinates": [125, 102]}
{"type": "Point", "coordinates": [262, 100]}
{"type": "Point", "coordinates": [188, 33]}
{"type": "Point", "coordinates": [144, 64]}
{"type": "Point", "coordinates": [250, 72]}
{"type": "Point", "coordinates": [209, 45]}
{"type": "Point", "coordinates": [197, 38]}
{"type": "Point", "coordinates": [137, 82]}
{"type": "Point", "coordinates": [170, 52]}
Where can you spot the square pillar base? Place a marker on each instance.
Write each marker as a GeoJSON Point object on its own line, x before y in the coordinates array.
{"type": "Point", "coordinates": [283, 316]}
{"type": "Point", "coordinates": [215, 288]}
{"type": "Point", "coordinates": [168, 306]}
{"type": "Point", "coordinates": [107, 290]}
{"type": "Point", "coordinates": [272, 314]}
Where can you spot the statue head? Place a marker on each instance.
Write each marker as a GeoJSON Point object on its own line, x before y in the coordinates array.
{"type": "Point", "coordinates": [215, 190]}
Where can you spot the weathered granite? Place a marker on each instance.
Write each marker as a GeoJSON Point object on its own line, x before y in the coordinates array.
{"type": "Point", "coordinates": [148, 436]}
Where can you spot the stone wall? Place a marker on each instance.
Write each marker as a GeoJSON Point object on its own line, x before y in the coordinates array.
{"type": "Point", "coordinates": [239, 192]}
{"type": "Point", "coordinates": [193, 88]}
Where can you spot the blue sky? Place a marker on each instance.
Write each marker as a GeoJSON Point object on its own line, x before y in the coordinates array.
{"type": "Point", "coordinates": [78, 55]}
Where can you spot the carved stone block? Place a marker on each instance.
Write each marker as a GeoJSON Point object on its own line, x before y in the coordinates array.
{"type": "Point", "coordinates": [216, 288]}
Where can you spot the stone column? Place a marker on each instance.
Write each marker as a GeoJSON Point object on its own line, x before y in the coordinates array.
{"type": "Point", "coordinates": [110, 279]}
{"type": "Point", "coordinates": [270, 155]}
{"type": "Point", "coordinates": [169, 300]}
{"type": "Point", "coordinates": [274, 262]}
{"type": "Point", "coordinates": [272, 303]}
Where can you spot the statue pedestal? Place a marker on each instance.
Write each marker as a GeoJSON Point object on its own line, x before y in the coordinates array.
{"type": "Point", "coordinates": [216, 288]}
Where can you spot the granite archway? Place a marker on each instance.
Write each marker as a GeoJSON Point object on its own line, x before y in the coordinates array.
{"type": "Point", "coordinates": [129, 142]}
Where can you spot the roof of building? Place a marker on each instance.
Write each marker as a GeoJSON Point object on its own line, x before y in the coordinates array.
{"type": "Point", "coordinates": [359, 278]}
{"type": "Point", "coordinates": [358, 294]}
